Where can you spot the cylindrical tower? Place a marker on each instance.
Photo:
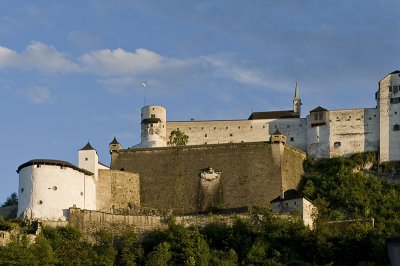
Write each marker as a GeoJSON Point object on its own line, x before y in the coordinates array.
{"type": "Point", "coordinates": [154, 126]}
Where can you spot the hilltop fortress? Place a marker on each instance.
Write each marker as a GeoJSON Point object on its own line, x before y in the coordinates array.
{"type": "Point", "coordinates": [226, 164]}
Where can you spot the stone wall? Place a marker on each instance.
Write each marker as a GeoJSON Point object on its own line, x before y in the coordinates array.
{"type": "Point", "coordinates": [117, 190]}
{"type": "Point", "coordinates": [251, 174]}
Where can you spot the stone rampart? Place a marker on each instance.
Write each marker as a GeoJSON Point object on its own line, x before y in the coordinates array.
{"type": "Point", "coordinates": [252, 174]}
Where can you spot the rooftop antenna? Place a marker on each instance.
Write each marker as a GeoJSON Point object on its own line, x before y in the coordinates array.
{"type": "Point", "coordinates": [144, 84]}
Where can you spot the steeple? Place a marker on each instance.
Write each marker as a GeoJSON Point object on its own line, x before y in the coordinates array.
{"type": "Point", "coordinates": [296, 100]}
{"type": "Point", "coordinates": [114, 146]}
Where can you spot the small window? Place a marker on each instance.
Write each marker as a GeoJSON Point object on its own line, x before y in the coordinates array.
{"type": "Point", "coordinates": [251, 126]}
{"type": "Point", "coordinates": [81, 193]}
{"type": "Point", "coordinates": [294, 203]}
{"type": "Point", "coordinates": [395, 113]}
{"type": "Point", "coordinates": [177, 128]}
{"type": "Point", "coordinates": [238, 127]}
{"type": "Point", "coordinates": [205, 135]}
{"type": "Point", "coordinates": [226, 127]}
{"type": "Point", "coordinates": [190, 128]}
{"type": "Point", "coordinates": [287, 126]}
{"type": "Point", "coordinates": [202, 128]}
{"type": "Point", "coordinates": [54, 188]}
{"type": "Point", "coordinates": [40, 202]}
{"type": "Point", "coordinates": [316, 116]}
{"type": "Point", "coordinates": [396, 127]}
{"type": "Point", "coordinates": [63, 167]}
{"type": "Point", "coordinates": [287, 204]}
{"type": "Point", "coordinates": [263, 126]}
{"type": "Point", "coordinates": [337, 144]}
{"type": "Point", "coordinates": [390, 88]}
{"type": "Point", "coordinates": [38, 166]}
{"type": "Point", "coordinates": [231, 135]}
{"type": "Point", "coordinates": [153, 116]}
{"type": "Point", "coordinates": [291, 139]}
{"type": "Point", "coordinates": [215, 128]}
{"type": "Point", "coordinates": [86, 159]}
{"type": "Point", "coordinates": [205, 143]}
{"type": "Point", "coordinates": [122, 169]}
{"type": "Point", "coordinates": [22, 189]}
{"type": "Point", "coordinates": [321, 115]}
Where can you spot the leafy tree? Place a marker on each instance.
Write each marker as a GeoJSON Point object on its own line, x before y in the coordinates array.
{"type": "Point", "coordinates": [160, 256]}
{"type": "Point", "coordinates": [11, 200]}
{"type": "Point", "coordinates": [178, 138]}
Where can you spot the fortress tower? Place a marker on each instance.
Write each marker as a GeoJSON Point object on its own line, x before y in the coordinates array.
{"type": "Point", "coordinates": [153, 127]}
{"type": "Point", "coordinates": [88, 159]}
{"type": "Point", "coordinates": [388, 102]}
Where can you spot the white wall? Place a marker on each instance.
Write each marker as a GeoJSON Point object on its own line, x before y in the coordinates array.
{"type": "Point", "coordinates": [226, 131]}
{"type": "Point", "coordinates": [353, 131]}
{"type": "Point", "coordinates": [49, 190]}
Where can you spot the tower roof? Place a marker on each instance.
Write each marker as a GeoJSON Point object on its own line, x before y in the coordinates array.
{"type": "Point", "coordinates": [396, 72]}
{"type": "Point", "coordinates": [114, 141]}
{"type": "Point", "coordinates": [277, 132]}
{"type": "Point", "coordinates": [87, 147]}
{"type": "Point", "coordinates": [296, 93]}
{"type": "Point", "coordinates": [53, 162]}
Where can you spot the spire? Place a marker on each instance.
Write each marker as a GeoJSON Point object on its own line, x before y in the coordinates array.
{"type": "Point", "coordinates": [87, 147]}
{"type": "Point", "coordinates": [114, 141]}
{"type": "Point", "coordinates": [296, 93]}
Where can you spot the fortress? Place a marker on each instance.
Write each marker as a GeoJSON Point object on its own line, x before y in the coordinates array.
{"type": "Point", "coordinates": [229, 164]}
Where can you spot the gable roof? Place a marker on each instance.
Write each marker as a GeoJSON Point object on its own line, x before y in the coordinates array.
{"type": "Point", "coordinates": [274, 115]}
{"type": "Point", "coordinates": [53, 162]}
{"type": "Point", "coordinates": [318, 109]}
{"type": "Point", "coordinates": [288, 195]}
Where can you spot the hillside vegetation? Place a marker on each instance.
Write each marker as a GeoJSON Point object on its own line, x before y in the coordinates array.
{"type": "Point", "coordinates": [342, 188]}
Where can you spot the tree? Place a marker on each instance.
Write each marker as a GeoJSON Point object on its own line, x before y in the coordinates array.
{"type": "Point", "coordinates": [178, 138]}
{"type": "Point", "coordinates": [11, 200]}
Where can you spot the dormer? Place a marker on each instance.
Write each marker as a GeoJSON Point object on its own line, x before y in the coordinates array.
{"type": "Point", "coordinates": [319, 116]}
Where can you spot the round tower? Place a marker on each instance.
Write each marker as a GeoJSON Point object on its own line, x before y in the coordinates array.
{"type": "Point", "coordinates": [153, 126]}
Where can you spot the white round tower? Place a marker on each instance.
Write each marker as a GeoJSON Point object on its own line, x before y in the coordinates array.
{"type": "Point", "coordinates": [154, 126]}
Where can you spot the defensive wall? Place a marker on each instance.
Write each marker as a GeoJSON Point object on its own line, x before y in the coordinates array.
{"type": "Point", "coordinates": [117, 190]}
{"type": "Point", "coordinates": [251, 174]}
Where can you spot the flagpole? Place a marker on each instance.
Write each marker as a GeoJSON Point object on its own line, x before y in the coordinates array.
{"type": "Point", "coordinates": [144, 84]}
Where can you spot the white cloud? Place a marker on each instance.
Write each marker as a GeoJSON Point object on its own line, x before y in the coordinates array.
{"type": "Point", "coordinates": [37, 56]}
{"type": "Point", "coordinates": [120, 62]}
{"type": "Point", "coordinates": [38, 95]}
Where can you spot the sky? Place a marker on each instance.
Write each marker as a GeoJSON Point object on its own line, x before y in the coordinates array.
{"type": "Point", "coordinates": [71, 71]}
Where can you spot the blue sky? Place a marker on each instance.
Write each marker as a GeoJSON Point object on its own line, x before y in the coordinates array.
{"type": "Point", "coordinates": [70, 71]}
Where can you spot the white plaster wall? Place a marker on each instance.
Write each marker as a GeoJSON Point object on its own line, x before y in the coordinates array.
{"type": "Point", "coordinates": [50, 190]}
{"type": "Point", "coordinates": [317, 140]}
{"type": "Point", "coordinates": [384, 103]}
{"type": "Point", "coordinates": [309, 212]}
{"type": "Point", "coordinates": [88, 160]}
{"type": "Point", "coordinates": [235, 131]}
{"type": "Point", "coordinates": [356, 130]}
{"type": "Point", "coordinates": [394, 118]}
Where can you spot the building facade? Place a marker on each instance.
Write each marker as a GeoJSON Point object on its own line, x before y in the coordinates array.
{"type": "Point", "coordinates": [321, 134]}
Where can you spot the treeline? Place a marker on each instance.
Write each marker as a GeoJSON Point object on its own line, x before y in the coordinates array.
{"type": "Point", "coordinates": [341, 188]}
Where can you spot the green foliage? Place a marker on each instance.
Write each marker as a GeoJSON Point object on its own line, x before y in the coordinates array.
{"type": "Point", "coordinates": [178, 138]}
{"type": "Point", "coordinates": [6, 225]}
{"type": "Point", "coordinates": [11, 200]}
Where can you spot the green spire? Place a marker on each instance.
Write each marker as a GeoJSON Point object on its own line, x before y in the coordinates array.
{"type": "Point", "coordinates": [296, 93]}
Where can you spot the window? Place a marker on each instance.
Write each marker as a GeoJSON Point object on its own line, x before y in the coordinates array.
{"type": "Point", "coordinates": [205, 135]}
{"type": "Point", "coordinates": [226, 127]}
{"type": "Point", "coordinates": [395, 89]}
{"type": "Point", "coordinates": [238, 127]}
{"type": "Point", "coordinates": [390, 88]}
{"type": "Point", "coordinates": [231, 135]}
{"type": "Point", "coordinates": [316, 116]}
{"type": "Point", "coordinates": [288, 126]}
{"type": "Point", "coordinates": [337, 144]}
{"type": "Point", "coordinates": [153, 116]}
{"type": "Point", "coordinates": [321, 115]}
{"type": "Point", "coordinates": [396, 127]}
{"type": "Point", "coordinates": [202, 128]}
{"type": "Point", "coordinates": [54, 188]}
{"type": "Point", "coordinates": [291, 139]}
{"type": "Point", "coordinates": [38, 166]}
{"type": "Point", "coordinates": [40, 202]}
{"type": "Point", "coordinates": [86, 159]}
{"type": "Point", "coordinates": [215, 128]}
{"type": "Point", "coordinates": [63, 167]}
{"type": "Point", "coordinates": [22, 189]}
